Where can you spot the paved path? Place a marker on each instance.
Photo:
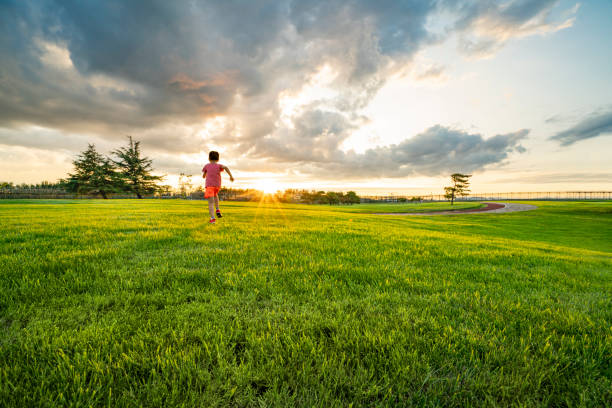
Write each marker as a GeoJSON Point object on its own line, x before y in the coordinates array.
{"type": "Point", "coordinates": [488, 209]}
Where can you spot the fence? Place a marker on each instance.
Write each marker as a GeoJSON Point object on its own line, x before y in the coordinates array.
{"type": "Point", "coordinates": [522, 196]}
{"type": "Point", "coordinates": [24, 193]}
{"type": "Point", "coordinates": [50, 193]}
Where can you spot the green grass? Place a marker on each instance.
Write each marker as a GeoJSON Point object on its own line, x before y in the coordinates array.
{"type": "Point", "coordinates": [140, 303]}
{"type": "Point", "coordinates": [407, 207]}
{"type": "Point", "coordinates": [368, 208]}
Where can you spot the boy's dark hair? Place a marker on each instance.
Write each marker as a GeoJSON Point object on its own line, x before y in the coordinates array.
{"type": "Point", "coordinates": [213, 155]}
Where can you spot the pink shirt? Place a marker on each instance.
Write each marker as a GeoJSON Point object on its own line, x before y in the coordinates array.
{"type": "Point", "coordinates": [213, 174]}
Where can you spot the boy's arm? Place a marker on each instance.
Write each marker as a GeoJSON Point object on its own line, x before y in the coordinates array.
{"type": "Point", "coordinates": [203, 173]}
{"type": "Point", "coordinates": [228, 172]}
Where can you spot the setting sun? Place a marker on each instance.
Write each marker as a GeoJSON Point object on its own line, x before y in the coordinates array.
{"type": "Point", "coordinates": [269, 186]}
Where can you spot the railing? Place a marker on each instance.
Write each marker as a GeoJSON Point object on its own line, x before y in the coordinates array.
{"type": "Point", "coordinates": [44, 193]}
{"type": "Point", "coordinates": [25, 193]}
{"type": "Point", "coordinates": [520, 196]}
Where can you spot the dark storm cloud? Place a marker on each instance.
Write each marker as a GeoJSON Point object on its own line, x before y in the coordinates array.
{"type": "Point", "coordinates": [184, 61]}
{"type": "Point", "coordinates": [593, 126]}
{"type": "Point", "coordinates": [135, 65]}
{"type": "Point", "coordinates": [159, 69]}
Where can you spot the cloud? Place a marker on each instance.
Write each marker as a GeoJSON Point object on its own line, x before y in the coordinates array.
{"type": "Point", "coordinates": [434, 73]}
{"type": "Point", "coordinates": [19, 164]}
{"type": "Point", "coordinates": [560, 178]}
{"type": "Point", "coordinates": [164, 163]}
{"type": "Point", "coordinates": [167, 72]}
{"type": "Point", "coordinates": [437, 151]}
{"type": "Point", "coordinates": [593, 126]}
{"type": "Point", "coordinates": [187, 61]}
{"type": "Point", "coordinates": [555, 119]}
{"type": "Point", "coordinates": [486, 26]}
{"type": "Point", "coordinates": [49, 139]}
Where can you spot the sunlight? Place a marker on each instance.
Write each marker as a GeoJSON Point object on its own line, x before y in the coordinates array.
{"type": "Point", "coordinates": [269, 186]}
{"type": "Point", "coordinates": [213, 128]}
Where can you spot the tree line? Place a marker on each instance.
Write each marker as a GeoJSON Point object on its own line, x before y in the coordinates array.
{"type": "Point", "coordinates": [286, 196]}
{"type": "Point", "coordinates": [323, 197]}
{"type": "Point", "coordinates": [44, 185]}
{"type": "Point", "coordinates": [316, 197]}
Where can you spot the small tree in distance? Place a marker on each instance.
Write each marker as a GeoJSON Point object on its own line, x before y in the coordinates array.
{"type": "Point", "coordinates": [460, 187]}
{"type": "Point", "coordinates": [136, 170]}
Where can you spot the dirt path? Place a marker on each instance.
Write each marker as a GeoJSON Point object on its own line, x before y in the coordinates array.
{"type": "Point", "coordinates": [489, 208]}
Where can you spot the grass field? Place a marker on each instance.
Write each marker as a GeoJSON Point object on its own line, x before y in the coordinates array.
{"type": "Point", "coordinates": [141, 303]}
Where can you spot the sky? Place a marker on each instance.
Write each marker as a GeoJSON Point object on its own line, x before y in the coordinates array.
{"type": "Point", "coordinates": [377, 97]}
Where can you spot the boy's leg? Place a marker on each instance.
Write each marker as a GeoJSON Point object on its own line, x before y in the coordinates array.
{"type": "Point", "coordinates": [211, 207]}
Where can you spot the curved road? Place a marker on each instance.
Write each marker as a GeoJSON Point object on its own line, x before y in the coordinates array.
{"type": "Point", "coordinates": [488, 209]}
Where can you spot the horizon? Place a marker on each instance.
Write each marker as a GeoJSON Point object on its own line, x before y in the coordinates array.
{"type": "Point", "coordinates": [388, 98]}
{"type": "Point", "coordinates": [377, 192]}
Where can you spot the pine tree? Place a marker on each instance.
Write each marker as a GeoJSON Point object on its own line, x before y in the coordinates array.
{"type": "Point", "coordinates": [136, 170]}
{"type": "Point", "coordinates": [94, 174]}
{"type": "Point", "coordinates": [460, 187]}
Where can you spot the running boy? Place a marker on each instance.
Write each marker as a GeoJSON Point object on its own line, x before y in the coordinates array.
{"type": "Point", "coordinates": [212, 173]}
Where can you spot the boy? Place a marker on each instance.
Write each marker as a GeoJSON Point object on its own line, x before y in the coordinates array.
{"type": "Point", "coordinates": [212, 174]}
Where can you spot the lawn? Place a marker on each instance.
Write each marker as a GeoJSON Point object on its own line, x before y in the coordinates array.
{"type": "Point", "coordinates": [378, 207]}
{"type": "Point", "coordinates": [141, 303]}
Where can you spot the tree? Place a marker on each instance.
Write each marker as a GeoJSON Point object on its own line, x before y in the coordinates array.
{"type": "Point", "coordinates": [332, 198]}
{"type": "Point", "coordinates": [136, 170]}
{"type": "Point", "coordinates": [307, 197]}
{"type": "Point", "coordinates": [319, 197]}
{"type": "Point", "coordinates": [185, 184]}
{"type": "Point", "coordinates": [94, 174]}
{"type": "Point", "coordinates": [352, 198]}
{"type": "Point", "coordinates": [460, 187]}
{"type": "Point", "coordinates": [165, 190]}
